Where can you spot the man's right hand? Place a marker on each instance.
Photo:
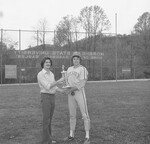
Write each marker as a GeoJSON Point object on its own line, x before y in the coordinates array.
{"type": "Point", "coordinates": [61, 80]}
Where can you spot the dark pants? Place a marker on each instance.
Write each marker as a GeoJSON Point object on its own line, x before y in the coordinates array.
{"type": "Point", "coordinates": [48, 105]}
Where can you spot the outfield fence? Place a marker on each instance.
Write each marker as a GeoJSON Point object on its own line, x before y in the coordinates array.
{"type": "Point", "coordinates": [107, 56]}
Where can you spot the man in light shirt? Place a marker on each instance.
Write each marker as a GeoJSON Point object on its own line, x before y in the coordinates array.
{"type": "Point", "coordinates": [48, 88]}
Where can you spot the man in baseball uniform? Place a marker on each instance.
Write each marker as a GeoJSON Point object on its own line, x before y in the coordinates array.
{"type": "Point", "coordinates": [77, 77]}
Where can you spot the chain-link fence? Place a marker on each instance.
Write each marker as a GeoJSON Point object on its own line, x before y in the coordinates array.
{"type": "Point", "coordinates": [106, 56]}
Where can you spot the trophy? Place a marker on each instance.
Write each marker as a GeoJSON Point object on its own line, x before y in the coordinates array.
{"type": "Point", "coordinates": [64, 74]}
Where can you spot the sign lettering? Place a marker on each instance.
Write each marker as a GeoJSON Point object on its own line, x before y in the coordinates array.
{"type": "Point", "coordinates": [53, 54]}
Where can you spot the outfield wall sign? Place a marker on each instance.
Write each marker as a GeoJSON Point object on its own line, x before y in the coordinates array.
{"type": "Point", "coordinates": [10, 71]}
{"type": "Point", "coordinates": [126, 70]}
{"type": "Point", "coordinates": [24, 54]}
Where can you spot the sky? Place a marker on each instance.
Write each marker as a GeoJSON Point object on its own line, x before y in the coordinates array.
{"type": "Point", "coordinates": [25, 14]}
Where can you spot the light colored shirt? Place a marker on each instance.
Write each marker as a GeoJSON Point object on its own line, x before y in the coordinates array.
{"type": "Point", "coordinates": [45, 79]}
{"type": "Point", "coordinates": [77, 76]}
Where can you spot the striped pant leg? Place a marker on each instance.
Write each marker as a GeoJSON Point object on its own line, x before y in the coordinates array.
{"type": "Point", "coordinates": [72, 111]}
{"type": "Point", "coordinates": [81, 100]}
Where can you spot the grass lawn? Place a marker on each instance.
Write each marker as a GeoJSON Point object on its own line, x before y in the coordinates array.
{"type": "Point", "coordinates": [119, 112]}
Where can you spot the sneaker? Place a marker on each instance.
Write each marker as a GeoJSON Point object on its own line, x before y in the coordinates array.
{"type": "Point", "coordinates": [53, 141]}
{"type": "Point", "coordinates": [86, 141]}
{"type": "Point", "coordinates": [69, 138]}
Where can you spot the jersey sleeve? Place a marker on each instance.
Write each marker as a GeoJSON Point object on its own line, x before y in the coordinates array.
{"type": "Point", "coordinates": [83, 74]}
{"type": "Point", "coordinates": [83, 78]}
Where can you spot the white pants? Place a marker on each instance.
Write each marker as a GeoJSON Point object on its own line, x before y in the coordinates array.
{"type": "Point", "coordinates": [78, 99]}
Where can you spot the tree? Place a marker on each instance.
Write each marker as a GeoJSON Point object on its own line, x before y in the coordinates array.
{"type": "Point", "coordinates": [142, 29]}
{"type": "Point", "coordinates": [143, 23]}
{"type": "Point", "coordinates": [40, 31]}
{"type": "Point", "coordinates": [76, 27]}
{"type": "Point", "coordinates": [94, 20]}
{"type": "Point", "coordinates": [66, 31]}
{"type": "Point", "coordinates": [8, 42]}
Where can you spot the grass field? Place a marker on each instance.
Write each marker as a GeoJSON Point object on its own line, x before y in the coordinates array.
{"type": "Point", "coordinates": [119, 112]}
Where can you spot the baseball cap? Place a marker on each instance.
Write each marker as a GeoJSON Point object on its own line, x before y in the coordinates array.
{"type": "Point", "coordinates": [78, 54]}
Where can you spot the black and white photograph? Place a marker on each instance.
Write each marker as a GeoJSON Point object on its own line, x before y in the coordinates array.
{"type": "Point", "coordinates": [74, 72]}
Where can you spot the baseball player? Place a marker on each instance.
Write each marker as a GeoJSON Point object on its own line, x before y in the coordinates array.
{"type": "Point", "coordinates": [77, 77]}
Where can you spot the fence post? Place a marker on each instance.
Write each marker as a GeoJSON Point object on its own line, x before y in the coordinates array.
{"type": "Point", "coordinates": [19, 68]}
{"type": "Point", "coordinates": [1, 50]}
{"type": "Point", "coordinates": [116, 47]}
{"type": "Point", "coordinates": [37, 37]}
{"type": "Point", "coordinates": [102, 57]}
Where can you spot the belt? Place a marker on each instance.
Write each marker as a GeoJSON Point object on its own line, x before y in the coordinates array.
{"type": "Point", "coordinates": [48, 94]}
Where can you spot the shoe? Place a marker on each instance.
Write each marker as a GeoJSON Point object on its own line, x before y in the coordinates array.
{"type": "Point", "coordinates": [69, 138]}
{"type": "Point", "coordinates": [86, 141]}
{"type": "Point", "coordinates": [53, 141]}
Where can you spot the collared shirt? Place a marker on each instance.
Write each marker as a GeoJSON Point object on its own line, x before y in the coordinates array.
{"type": "Point", "coordinates": [45, 79]}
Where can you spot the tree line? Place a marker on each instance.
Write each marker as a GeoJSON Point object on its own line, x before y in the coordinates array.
{"type": "Point", "coordinates": [132, 50]}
